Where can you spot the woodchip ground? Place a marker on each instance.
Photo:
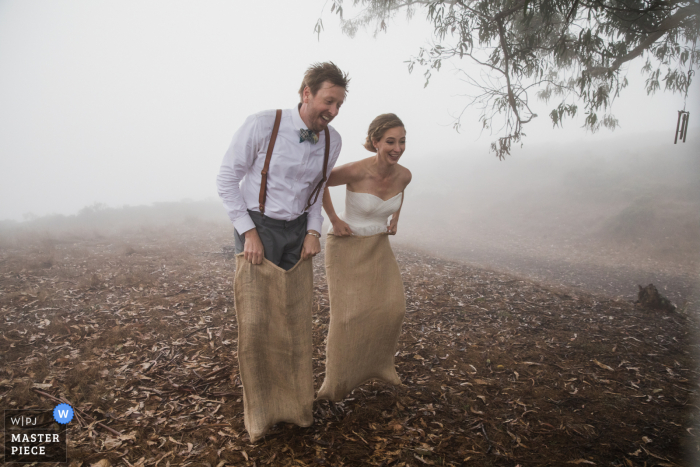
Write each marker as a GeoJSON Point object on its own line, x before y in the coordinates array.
{"type": "Point", "coordinates": [137, 331]}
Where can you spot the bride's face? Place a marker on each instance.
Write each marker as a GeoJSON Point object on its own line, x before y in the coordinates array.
{"type": "Point", "coordinates": [392, 144]}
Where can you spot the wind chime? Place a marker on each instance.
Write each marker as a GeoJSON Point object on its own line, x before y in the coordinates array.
{"type": "Point", "coordinates": [683, 115]}
{"type": "Point", "coordinates": [682, 126]}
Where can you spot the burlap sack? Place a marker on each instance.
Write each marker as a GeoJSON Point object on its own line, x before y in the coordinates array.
{"type": "Point", "coordinates": [274, 309]}
{"type": "Point", "coordinates": [367, 308]}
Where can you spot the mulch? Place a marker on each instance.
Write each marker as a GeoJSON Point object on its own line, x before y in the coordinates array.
{"type": "Point", "coordinates": [137, 331]}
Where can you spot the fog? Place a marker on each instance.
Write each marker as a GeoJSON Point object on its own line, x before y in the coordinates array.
{"type": "Point", "coordinates": [606, 217]}
{"type": "Point", "coordinates": [112, 114]}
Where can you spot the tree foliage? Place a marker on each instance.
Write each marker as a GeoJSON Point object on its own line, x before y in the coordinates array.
{"type": "Point", "coordinates": [569, 52]}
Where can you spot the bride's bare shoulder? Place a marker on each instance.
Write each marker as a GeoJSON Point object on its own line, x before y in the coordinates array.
{"type": "Point", "coordinates": [347, 173]}
{"type": "Point", "coordinates": [358, 169]}
{"type": "Point", "coordinates": [405, 175]}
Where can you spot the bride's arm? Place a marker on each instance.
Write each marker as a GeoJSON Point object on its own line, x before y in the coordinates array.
{"type": "Point", "coordinates": [345, 174]}
{"type": "Point", "coordinates": [394, 222]}
{"type": "Point", "coordinates": [340, 228]}
{"type": "Point", "coordinates": [340, 175]}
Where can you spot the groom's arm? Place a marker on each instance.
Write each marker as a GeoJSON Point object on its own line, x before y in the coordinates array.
{"type": "Point", "coordinates": [238, 160]}
{"type": "Point", "coordinates": [312, 243]}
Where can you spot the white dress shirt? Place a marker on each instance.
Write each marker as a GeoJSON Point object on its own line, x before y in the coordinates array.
{"type": "Point", "coordinates": [295, 170]}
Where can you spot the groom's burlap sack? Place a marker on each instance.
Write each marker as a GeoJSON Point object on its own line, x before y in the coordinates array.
{"type": "Point", "coordinates": [367, 308]}
{"type": "Point", "coordinates": [274, 308]}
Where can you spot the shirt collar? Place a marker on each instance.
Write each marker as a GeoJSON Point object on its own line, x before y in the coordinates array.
{"type": "Point", "coordinates": [296, 119]}
{"type": "Point", "coordinates": [299, 123]}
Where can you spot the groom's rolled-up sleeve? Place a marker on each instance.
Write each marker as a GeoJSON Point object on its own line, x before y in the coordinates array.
{"type": "Point", "coordinates": [314, 221]}
{"type": "Point", "coordinates": [238, 159]}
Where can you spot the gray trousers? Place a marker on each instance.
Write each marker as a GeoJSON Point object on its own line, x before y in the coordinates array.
{"type": "Point", "coordinates": [282, 240]}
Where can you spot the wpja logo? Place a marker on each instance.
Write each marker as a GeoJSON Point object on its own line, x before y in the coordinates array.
{"type": "Point", "coordinates": [23, 421]}
{"type": "Point", "coordinates": [37, 436]}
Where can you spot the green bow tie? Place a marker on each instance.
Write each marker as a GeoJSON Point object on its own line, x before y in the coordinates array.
{"type": "Point", "coordinates": [307, 135]}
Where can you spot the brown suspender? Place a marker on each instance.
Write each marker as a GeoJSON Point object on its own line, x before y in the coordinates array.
{"type": "Point", "coordinates": [317, 190]}
{"type": "Point", "coordinates": [268, 156]}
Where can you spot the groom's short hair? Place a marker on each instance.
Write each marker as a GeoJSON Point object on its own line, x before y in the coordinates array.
{"type": "Point", "coordinates": [318, 73]}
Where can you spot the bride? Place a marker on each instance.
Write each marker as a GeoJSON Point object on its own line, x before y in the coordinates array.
{"type": "Point", "coordinates": [364, 282]}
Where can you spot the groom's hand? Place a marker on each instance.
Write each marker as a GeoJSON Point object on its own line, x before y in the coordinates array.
{"type": "Point", "coordinates": [253, 250]}
{"type": "Point", "coordinates": [312, 246]}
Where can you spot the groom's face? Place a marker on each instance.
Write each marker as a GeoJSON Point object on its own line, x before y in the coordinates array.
{"type": "Point", "coordinates": [319, 110]}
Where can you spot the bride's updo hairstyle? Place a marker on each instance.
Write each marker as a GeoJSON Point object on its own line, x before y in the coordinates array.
{"type": "Point", "coordinates": [378, 127]}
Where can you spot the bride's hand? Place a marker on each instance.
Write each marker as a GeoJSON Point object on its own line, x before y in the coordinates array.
{"type": "Point", "coordinates": [341, 228]}
{"type": "Point", "coordinates": [391, 228]}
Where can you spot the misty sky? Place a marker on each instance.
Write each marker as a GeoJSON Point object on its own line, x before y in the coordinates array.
{"type": "Point", "coordinates": [132, 102]}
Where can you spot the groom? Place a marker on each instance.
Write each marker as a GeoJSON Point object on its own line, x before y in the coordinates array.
{"type": "Point", "coordinates": [277, 215]}
{"type": "Point", "coordinates": [271, 182]}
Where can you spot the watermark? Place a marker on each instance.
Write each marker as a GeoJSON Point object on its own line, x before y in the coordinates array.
{"type": "Point", "coordinates": [63, 414]}
{"type": "Point", "coordinates": [37, 435]}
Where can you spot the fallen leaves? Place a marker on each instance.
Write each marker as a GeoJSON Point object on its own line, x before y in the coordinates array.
{"type": "Point", "coordinates": [395, 426]}
{"type": "Point", "coordinates": [491, 374]}
{"type": "Point", "coordinates": [602, 365]}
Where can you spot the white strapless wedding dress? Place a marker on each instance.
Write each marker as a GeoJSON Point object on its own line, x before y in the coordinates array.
{"type": "Point", "coordinates": [367, 214]}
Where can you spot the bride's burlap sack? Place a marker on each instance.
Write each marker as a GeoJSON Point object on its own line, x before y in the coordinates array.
{"type": "Point", "coordinates": [367, 308]}
{"type": "Point", "coordinates": [274, 309]}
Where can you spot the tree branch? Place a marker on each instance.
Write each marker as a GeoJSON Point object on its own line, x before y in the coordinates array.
{"type": "Point", "coordinates": [666, 25]}
{"type": "Point", "coordinates": [506, 58]}
{"type": "Point", "coordinates": [518, 6]}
